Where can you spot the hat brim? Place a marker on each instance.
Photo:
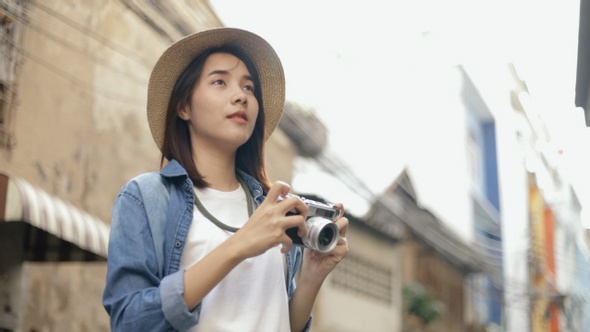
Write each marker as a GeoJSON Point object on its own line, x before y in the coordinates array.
{"type": "Point", "coordinates": [180, 54]}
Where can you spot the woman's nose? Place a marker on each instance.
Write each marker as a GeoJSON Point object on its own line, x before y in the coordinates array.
{"type": "Point", "coordinates": [239, 96]}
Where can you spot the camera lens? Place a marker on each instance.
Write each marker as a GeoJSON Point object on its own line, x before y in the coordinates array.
{"type": "Point", "coordinates": [321, 235]}
{"type": "Point", "coordinates": [326, 236]}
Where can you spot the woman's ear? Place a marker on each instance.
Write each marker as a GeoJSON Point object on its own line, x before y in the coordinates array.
{"type": "Point", "coordinates": [184, 112]}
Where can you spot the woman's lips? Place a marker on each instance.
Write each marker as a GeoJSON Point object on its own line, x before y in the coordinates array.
{"type": "Point", "coordinates": [239, 116]}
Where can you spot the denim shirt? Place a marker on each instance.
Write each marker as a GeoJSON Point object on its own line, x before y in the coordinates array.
{"type": "Point", "coordinates": [151, 217]}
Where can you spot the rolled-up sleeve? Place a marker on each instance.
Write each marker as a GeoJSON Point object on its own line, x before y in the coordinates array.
{"type": "Point", "coordinates": [173, 304]}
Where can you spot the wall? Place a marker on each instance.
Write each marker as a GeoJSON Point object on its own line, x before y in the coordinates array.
{"type": "Point", "coordinates": [81, 131]}
{"type": "Point", "coordinates": [280, 155]}
{"type": "Point", "coordinates": [81, 128]}
{"type": "Point", "coordinates": [440, 279]}
{"type": "Point", "coordinates": [363, 292]}
{"type": "Point", "coordinates": [63, 297]}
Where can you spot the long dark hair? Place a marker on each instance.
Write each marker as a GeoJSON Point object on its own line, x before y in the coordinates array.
{"type": "Point", "coordinates": [177, 142]}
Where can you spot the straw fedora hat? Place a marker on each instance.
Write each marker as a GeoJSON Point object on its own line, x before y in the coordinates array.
{"type": "Point", "coordinates": [180, 54]}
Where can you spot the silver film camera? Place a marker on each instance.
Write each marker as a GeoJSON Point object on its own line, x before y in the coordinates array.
{"type": "Point", "coordinates": [322, 233]}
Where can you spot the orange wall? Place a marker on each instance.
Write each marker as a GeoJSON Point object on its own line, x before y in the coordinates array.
{"type": "Point", "coordinates": [544, 313]}
{"type": "Point", "coordinates": [549, 225]}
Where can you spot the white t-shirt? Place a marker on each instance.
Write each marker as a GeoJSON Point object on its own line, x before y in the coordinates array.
{"type": "Point", "coordinates": [253, 296]}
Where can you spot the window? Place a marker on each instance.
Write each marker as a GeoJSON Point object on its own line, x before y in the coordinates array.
{"type": "Point", "coordinates": [9, 59]}
{"type": "Point", "coordinates": [365, 277]}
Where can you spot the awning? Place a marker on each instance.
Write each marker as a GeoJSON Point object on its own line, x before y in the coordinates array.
{"type": "Point", "coordinates": [21, 202]}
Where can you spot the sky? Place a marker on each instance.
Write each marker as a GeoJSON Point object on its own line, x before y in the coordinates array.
{"type": "Point", "coordinates": [338, 54]}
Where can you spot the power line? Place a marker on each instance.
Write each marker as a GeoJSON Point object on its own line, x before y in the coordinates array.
{"type": "Point", "coordinates": [97, 37]}
{"type": "Point", "coordinates": [521, 298]}
{"type": "Point", "coordinates": [335, 166]}
{"type": "Point", "coordinates": [20, 14]}
{"type": "Point", "coordinates": [73, 79]}
{"type": "Point", "coordinates": [79, 50]}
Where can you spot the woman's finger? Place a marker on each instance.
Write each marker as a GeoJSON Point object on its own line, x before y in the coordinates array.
{"type": "Point", "coordinates": [278, 189]}
{"type": "Point", "coordinates": [342, 224]}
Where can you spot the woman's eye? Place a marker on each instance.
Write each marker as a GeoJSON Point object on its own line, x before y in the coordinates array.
{"type": "Point", "coordinates": [249, 87]}
{"type": "Point", "coordinates": [218, 82]}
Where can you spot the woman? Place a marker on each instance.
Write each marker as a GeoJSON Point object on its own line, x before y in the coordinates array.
{"type": "Point", "coordinates": [201, 244]}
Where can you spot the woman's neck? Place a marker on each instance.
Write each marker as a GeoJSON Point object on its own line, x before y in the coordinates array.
{"type": "Point", "coordinates": [218, 169]}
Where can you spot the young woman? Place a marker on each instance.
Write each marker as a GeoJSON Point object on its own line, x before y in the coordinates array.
{"type": "Point", "coordinates": [214, 97]}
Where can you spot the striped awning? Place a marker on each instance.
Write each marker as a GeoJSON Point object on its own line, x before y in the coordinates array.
{"type": "Point", "coordinates": [22, 202]}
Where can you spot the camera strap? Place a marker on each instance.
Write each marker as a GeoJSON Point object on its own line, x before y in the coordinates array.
{"type": "Point", "coordinates": [218, 223]}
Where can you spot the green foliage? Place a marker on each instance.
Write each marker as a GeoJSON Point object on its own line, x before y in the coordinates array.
{"type": "Point", "coordinates": [421, 303]}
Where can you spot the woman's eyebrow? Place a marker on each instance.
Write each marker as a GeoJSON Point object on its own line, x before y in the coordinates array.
{"type": "Point", "coordinates": [225, 72]}
{"type": "Point", "coordinates": [218, 72]}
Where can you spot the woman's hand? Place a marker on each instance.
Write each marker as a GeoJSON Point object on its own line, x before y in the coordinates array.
{"type": "Point", "coordinates": [266, 227]}
{"type": "Point", "coordinates": [314, 270]}
{"type": "Point", "coordinates": [316, 265]}
{"type": "Point", "coordinates": [264, 230]}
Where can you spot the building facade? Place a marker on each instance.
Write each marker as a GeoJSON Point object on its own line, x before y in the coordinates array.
{"type": "Point", "coordinates": [539, 214]}
{"type": "Point", "coordinates": [436, 264]}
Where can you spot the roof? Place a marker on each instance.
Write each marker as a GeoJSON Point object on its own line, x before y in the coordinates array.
{"type": "Point", "coordinates": [397, 212]}
{"type": "Point", "coordinates": [399, 205]}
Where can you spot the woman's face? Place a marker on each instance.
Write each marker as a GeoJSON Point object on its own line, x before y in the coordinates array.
{"type": "Point", "coordinates": [223, 109]}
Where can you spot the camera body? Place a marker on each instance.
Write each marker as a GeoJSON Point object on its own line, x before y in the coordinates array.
{"type": "Point", "coordinates": [322, 233]}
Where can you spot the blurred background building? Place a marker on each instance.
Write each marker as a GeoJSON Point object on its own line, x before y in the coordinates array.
{"type": "Point", "coordinates": [506, 252]}
{"type": "Point", "coordinates": [583, 65]}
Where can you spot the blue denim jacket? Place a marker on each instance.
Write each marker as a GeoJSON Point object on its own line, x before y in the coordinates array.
{"type": "Point", "coordinates": [150, 221]}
